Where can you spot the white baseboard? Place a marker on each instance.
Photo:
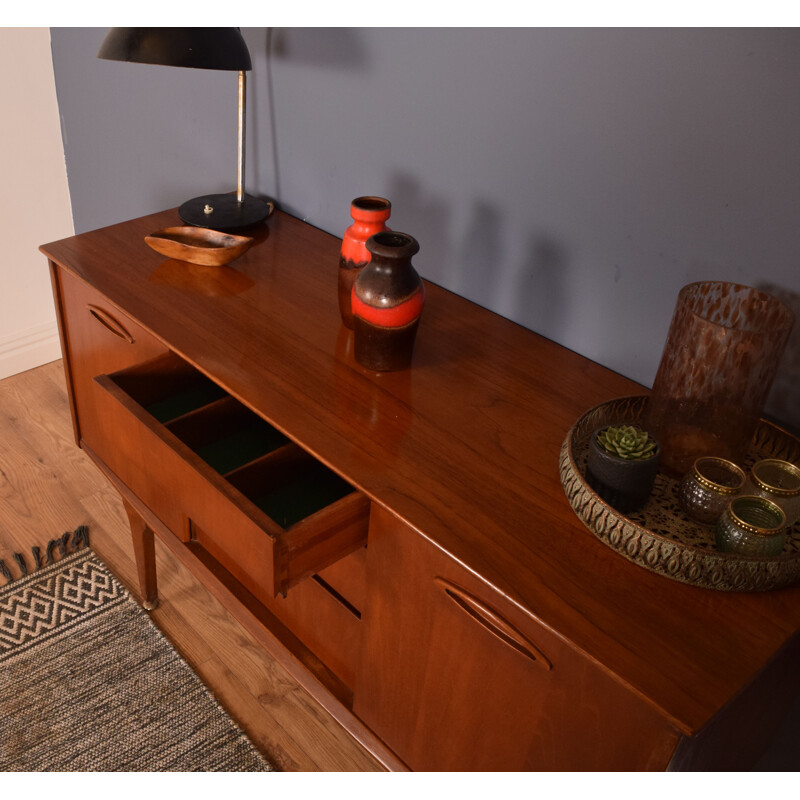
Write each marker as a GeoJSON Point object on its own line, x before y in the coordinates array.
{"type": "Point", "coordinates": [29, 348]}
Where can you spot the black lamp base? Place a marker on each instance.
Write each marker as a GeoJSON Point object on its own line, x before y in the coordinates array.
{"type": "Point", "coordinates": [226, 213]}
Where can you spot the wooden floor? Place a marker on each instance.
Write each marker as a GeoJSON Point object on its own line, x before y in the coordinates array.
{"type": "Point", "coordinates": [48, 486]}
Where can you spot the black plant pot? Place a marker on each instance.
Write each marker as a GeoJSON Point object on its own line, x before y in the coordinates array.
{"type": "Point", "coordinates": [625, 485]}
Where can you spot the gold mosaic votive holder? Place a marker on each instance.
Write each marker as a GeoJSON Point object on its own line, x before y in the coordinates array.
{"type": "Point", "coordinates": [708, 487]}
{"type": "Point", "coordinates": [778, 481]}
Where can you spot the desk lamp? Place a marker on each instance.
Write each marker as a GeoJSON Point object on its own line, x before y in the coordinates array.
{"type": "Point", "coordinates": [201, 48]}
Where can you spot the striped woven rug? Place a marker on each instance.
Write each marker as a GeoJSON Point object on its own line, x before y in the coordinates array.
{"type": "Point", "coordinates": [88, 683]}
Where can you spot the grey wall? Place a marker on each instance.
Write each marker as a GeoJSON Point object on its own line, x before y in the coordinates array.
{"type": "Point", "coordinates": [572, 180]}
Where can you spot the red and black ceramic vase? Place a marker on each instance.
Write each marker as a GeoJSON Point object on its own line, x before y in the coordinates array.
{"type": "Point", "coordinates": [369, 216]}
{"type": "Point", "coordinates": [387, 300]}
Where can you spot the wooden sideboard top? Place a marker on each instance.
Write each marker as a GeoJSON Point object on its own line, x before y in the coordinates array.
{"type": "Point", "coordinates": [463, 446]}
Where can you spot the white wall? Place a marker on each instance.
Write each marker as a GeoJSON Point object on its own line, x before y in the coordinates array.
{"type": "Point", "coordinates": [34, 198]}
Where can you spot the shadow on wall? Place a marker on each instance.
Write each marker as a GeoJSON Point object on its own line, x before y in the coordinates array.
{"type": "Point", "coordinates": [426, 217]}
{"type": "Point", "coordinates": [783, 402]}
{"type": "Point", "coordinates": [481, 250]}
{"type": "Point", "coordinates": [338, 48]}
{"type": "Point", "coordinates": [540, 300]}
{"type": "Point", "coordinates": [332, 48]}
{"type": "Point", "coordinates": [533, 294]}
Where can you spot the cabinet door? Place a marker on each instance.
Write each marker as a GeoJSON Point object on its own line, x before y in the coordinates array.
{"type": "Point", "coordinates": [456, 677]}
{"type": "Point", "coordinates": [97, 337]}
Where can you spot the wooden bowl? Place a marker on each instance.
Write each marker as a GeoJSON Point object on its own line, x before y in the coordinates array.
{"type": "Point", "coordinates": [199, 245]}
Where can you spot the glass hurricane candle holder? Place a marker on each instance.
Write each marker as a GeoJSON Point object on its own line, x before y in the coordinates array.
{"type": "Point", "coordinates": [778, 481]}
{"type": "Point", "coordinates": [719, 361]}
{"type": "Point", "coordinates": [751, 526]}
{"type": "Point", "coordinates": [708, 487]}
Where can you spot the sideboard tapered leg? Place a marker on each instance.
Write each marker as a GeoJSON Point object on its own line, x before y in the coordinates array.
{"type": "Point", "coordinates": [145, 554]}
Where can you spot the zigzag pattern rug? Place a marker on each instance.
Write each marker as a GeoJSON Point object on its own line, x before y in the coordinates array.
{"type": "Point", "coordinates": [88, 683]}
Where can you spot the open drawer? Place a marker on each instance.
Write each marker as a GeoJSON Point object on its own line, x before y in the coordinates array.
{"type": "Point", "coordinates": [226, 480]}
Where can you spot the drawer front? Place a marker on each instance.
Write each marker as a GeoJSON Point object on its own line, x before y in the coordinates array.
{"type": "Point", "coordinates": [223, 478]}
{"type": "Point", "coordinates": [325, 613]}
{"type": "Point", "coordinates": [96, 338]}
{"type": "Point", "coordinates": [157, 468]}
{"type": "Point", "coordinates": [456, 677]}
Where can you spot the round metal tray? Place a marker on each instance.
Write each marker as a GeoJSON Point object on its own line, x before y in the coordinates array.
{"type": "Point", "coordinates": [661, 537]}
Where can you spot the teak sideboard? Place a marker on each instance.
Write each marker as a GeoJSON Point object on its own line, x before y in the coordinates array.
{"type": "Point", "coordinates": [401, 541]}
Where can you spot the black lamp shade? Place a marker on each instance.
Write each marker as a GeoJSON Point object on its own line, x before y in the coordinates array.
{"type": "Point", "coordinates": [201, 48]}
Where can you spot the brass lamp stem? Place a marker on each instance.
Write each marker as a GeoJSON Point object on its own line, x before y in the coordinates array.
{"type": "Point", "coordinates": [240, 171]}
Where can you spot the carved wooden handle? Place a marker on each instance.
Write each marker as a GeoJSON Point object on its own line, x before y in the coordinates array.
{"type": "Point", "coordinates": [493, 622]}
{"type": "Point", "coordinates": [111, 323]}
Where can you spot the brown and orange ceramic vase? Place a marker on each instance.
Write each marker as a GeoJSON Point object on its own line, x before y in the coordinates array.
{"type": "Point", "coordinates": [369, 216]}
{"type": "Point", "coordinates": [387, 300]}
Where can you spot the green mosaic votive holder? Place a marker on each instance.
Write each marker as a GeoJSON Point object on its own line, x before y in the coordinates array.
{"type": "Point", "coordinates": [751, 526]}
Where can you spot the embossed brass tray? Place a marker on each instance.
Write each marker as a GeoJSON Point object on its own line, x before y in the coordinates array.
{"type": "Point", "coordinates": [661, 537]}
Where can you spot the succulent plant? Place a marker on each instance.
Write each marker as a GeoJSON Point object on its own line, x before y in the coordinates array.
{"type": "Point", "coordinates": [627, 441]}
